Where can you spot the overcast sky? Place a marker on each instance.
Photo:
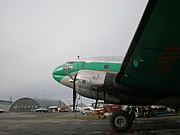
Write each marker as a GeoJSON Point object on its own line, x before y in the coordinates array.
{"type": "Point", "coordinates": [38, 35]}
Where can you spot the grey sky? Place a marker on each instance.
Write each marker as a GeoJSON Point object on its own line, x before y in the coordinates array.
{"type": "Point", "coordinates": [38, 35]}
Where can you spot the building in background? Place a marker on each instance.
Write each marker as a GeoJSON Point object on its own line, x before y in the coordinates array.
{"type": "Point", "coordinates": [24, 105]}
{"type": "Point", "coordinates": [30, 104]}
{"type": "Point", "coordinates": [5, 105]}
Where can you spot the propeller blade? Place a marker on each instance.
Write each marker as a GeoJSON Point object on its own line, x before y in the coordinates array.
{"type": "Point", "coordinates": [74, 93]}
{"type": "Point", "coordinates": [74, 99]}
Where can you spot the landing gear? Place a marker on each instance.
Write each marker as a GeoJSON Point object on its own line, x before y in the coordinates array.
{"type": "Point", "coordinates": [121, 121]}
{"type": "Point", "coordinates": [132, 115]}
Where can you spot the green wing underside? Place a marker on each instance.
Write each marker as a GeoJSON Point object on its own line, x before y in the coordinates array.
{"type": "Point", "coordinates": [152, 63]}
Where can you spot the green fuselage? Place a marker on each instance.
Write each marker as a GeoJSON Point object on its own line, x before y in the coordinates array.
{"type": "Point", "coordinates": [72, 67]}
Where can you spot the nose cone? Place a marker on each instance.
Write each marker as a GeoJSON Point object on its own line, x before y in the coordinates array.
{"type": "Point", "coordinates": [58, 73]}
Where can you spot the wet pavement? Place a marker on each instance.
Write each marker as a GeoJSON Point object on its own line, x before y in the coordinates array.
{"type": "Point", "coordinates": [48, 124]}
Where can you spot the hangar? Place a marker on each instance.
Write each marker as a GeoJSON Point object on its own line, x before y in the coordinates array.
{"type": "Point", "coordinates": [24, 105]}
{"type": "Point", "coordinates": [29, 104]}
{"type": "Point", "coordinates": [5, 105]}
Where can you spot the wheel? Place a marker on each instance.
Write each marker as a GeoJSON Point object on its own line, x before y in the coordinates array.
{"type": "Point", "coordinates": [120, 121]}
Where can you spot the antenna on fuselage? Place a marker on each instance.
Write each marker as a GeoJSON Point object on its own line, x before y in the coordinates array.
{"type": "Point", "coordinates": [78, 57]}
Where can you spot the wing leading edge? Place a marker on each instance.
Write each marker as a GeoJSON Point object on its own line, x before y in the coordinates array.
{"type": "Point", "coordinates": [152, 62]}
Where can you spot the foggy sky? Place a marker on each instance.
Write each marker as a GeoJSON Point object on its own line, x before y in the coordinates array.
{"type": "Point", "coordinates": [38, 35]}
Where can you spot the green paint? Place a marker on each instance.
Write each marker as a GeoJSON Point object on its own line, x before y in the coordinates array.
{"type": "Point", "coordinates": [75, 66]}
{"type": "Point", "coordinates": [58, 73]}
{"type": "Point", "coordinates": [136, 63]}
{"type": "Point", "coordinates": [159, 48]}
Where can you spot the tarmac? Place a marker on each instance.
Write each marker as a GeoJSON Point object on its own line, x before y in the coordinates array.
{"type": "Point", "coordinates": [66, 124]}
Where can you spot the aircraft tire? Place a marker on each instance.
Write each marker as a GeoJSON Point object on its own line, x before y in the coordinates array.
{"type": "Point", "coordinates": [120, 121]}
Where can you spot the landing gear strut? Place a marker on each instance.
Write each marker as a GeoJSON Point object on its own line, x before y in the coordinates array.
{"type": "Point", "coordinates": [121, 121]}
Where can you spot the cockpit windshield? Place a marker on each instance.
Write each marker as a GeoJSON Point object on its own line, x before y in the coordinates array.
{"type": "Point", "coordinates": [68, 66]}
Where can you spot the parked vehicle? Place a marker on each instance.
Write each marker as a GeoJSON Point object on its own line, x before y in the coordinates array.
{"type": "Point", "coordinates": [2, 110]}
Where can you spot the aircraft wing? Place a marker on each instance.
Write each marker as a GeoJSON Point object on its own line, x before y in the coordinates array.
{"type": "Point", "coordinates": [152, 62]}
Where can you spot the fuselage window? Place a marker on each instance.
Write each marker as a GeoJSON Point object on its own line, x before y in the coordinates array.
{"type": "Point", "coordinates": [106, 66]}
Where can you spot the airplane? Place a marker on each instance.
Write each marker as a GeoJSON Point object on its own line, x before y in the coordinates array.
{"type": "Point", "coordinates": [94, 68]}
{"type": "Point", "coordinates": [148, 74]}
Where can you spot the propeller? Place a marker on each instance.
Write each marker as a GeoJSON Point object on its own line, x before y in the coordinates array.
{"type": "Point", "coordinates": [66, 69]}
{"type": "Point", "coordinates": [74, 92]}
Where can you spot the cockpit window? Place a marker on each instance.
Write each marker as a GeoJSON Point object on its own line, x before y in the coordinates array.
{"type": "Point", "coordinates": [68, 65]}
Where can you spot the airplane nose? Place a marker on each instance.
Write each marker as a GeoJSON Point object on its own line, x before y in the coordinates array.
{"type": "Point", "coordinates": [58, 73]}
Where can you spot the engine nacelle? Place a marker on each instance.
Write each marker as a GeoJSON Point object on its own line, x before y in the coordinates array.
{"type": "Point", "coordinates": [89, 83]}
{"type": "Point", "coordinates": [93, 84]}
{"type": "Point", "coordinates": [90, 79]}
{"type": "Point", "coordinates": [100, 85]}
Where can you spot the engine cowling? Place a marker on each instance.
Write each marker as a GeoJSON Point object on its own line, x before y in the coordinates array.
{"type": "Point", "coordinates": [92, 84]}
{"type": "Point", "coordinates": [100, 85]}
{"type": "Point", "coordinates": [90, 79]}
{"type": "Point", "coordinates": [89, 83]}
